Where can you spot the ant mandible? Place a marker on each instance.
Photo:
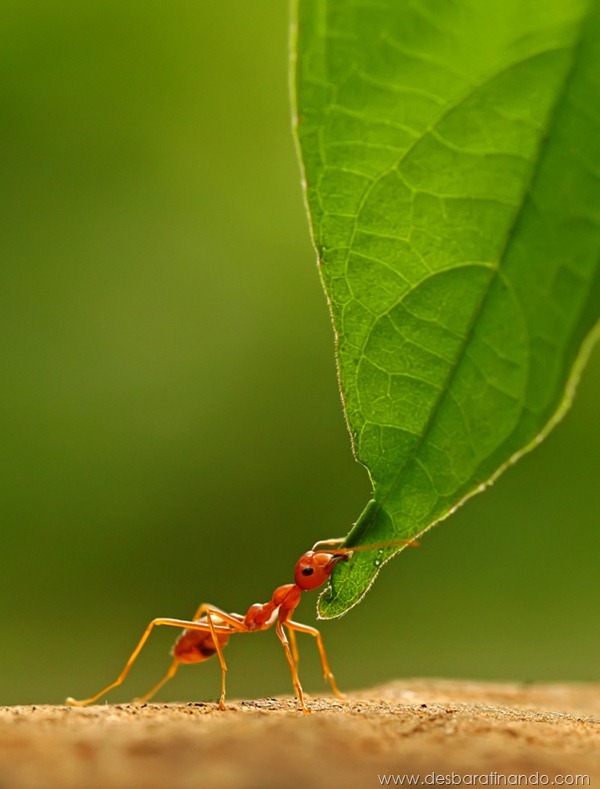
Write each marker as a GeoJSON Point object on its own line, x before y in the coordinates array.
{"type": "Point", "coordinates": [208, 632]}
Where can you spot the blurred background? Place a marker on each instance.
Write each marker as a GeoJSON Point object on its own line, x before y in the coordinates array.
{"type": "Point", "coordinates": [171, 426]}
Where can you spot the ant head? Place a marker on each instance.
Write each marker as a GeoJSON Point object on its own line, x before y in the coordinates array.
{"type": "Point", "coordinates": [314, 568]}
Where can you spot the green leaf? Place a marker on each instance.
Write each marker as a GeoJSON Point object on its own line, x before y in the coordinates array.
{"type": "Point", "coordinates": [451, 153]}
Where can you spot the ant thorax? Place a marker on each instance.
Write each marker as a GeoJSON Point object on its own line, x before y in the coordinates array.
{"type": "Point", "coordinates": [281, 606]}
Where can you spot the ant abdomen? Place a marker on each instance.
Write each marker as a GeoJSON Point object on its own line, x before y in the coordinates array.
{"type": "Point", "coordinates": [194, 646]}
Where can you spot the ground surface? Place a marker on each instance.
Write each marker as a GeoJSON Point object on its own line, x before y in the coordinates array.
{"type": "Point", "coordinates": [408, 728]}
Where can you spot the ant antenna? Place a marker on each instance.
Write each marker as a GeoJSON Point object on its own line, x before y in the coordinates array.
{"type": "Point", "coordinates": [374, 546]}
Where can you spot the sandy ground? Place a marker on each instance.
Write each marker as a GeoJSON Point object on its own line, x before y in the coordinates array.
{"type": "Point", "coordinates": [419, 728]}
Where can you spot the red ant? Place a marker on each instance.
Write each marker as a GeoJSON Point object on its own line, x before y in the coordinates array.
{"type": "Point", "coordinates": [208, 632]}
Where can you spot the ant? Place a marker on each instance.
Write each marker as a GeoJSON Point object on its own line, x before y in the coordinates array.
{"type": "Point", "coordinates": [209, 630]}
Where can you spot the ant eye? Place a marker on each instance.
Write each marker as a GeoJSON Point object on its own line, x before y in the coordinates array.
{"type": "Point", "coordinates": [308, 570]}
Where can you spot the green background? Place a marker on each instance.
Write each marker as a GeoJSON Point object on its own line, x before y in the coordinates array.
{"type": "Point", "coordinates": [170, 421]}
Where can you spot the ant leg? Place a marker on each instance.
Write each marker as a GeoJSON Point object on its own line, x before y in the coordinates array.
{"type": "Point", "coordinates": [295, 678]}
{"type": "Point", "coordinates": [153, 691]}
{"type": "Point", "coordinates": [229, 618]}
{"type": "Point", "coordinates": [312, 631]}
{"type": "Point", "coordinates": [294, 646]}
{"type": "Point", "coordinates": [182, 624]}
{"type": "Point", "coordinates": [235, 621]}
{"type": "Point", "coordinates": [220, 655]}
